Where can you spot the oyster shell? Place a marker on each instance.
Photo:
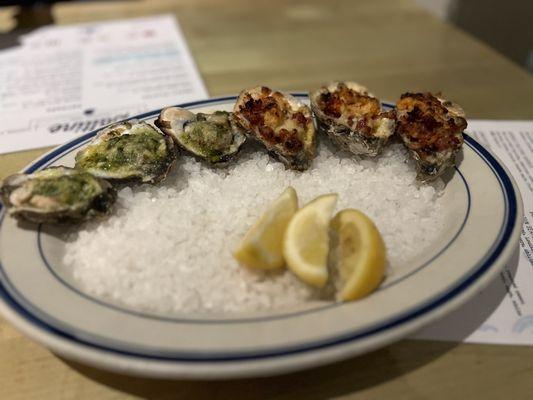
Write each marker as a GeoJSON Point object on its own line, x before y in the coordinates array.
{"type": "Point", "coordinates": [280, 122]}
{"type": "Point", "coordinates": [128, 151]}
{"type": "Point", "coordinates": [352, 117]}
{"type": "Point", "coordinates": [432, 129]}
{"type": "Point", "coordinates": [212, 137]}
{"type": "Point", "coordinates": [57, 194]}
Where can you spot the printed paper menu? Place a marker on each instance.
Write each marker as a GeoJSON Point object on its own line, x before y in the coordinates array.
{"type": "Point", "coordinates": [63, 81]}
{"type": "Point", "coordinates": [503, 312]}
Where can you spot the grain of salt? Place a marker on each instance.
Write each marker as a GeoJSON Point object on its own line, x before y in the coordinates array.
{"type": "Point", "coordinates": [167, 248]}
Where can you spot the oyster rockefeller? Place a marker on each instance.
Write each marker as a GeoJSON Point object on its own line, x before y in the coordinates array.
{"type": "Point", "coordinates": [212, 137]}
{"type": "Point", "coordinates": [57, 194]}
{"type": "Point", "coordinates": [165, 232]}
{"type": "Point", "coordinates": [128, 151]}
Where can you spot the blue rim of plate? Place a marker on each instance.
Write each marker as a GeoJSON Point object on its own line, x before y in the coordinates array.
{"type": "Point", "coordinates": [123, 309]}
{"type": "Point", "coordinates": [204, 321]}
{"type": "Point", "coordinates": [79, 338]}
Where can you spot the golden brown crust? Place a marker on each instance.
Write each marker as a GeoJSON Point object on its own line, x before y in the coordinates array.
{"type": "Point", "coordinates": [359, 110]}
{"type": "Point", "coordinates": [426, 125]}
{"type": "Point", "coordinates": [272, 118]}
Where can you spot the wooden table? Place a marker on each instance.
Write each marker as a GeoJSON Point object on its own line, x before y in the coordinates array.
{"type": "Point", "coordinates": [390, 46]}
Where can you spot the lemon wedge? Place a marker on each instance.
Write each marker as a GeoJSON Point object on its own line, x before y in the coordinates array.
{"type": "Point", "coordinates": [261, 247]}
{"type": "Point", "coordinates": [360, 254]}
{"type": "Point", "coordinates": [306, 241]}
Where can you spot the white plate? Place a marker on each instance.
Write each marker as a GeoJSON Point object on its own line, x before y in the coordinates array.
{"type": "Point", "coordinates": [38, 296]}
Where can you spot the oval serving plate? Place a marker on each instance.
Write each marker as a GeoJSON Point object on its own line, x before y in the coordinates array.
{"type": "Point", "coordinates": [38, 296]}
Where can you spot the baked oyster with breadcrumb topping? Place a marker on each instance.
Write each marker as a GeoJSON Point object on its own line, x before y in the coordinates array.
{"type": "Point", "coordinates": [129, 151]}
{"type": "Point", "coordinates": [57, 195]}
{"type": "Point", "coordinates": [432, 129]}
{"type": "Point", "coordinates": [280, 122]}
{"type": "Point", "coordinates": [211, 137]}
{"type": "Point", "coordinates": [352, 118]}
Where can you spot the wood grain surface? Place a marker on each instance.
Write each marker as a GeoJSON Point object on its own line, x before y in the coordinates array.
{"type": "Point", "coordinates": [391, 47]}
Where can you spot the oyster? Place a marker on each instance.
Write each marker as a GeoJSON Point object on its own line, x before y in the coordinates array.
{"type": "Point", "coordinates": [280, 122]}
{"type": "Point", "coordinates": [57, 194]}
{"type": "Point", "coordinates": [128, 151]}
{"type": "Point", "coordinates": [212, 137]}
{"type": "Point", "coordinates": [352, 117]}
{"type": "Point", "coordinates": [432, 129]}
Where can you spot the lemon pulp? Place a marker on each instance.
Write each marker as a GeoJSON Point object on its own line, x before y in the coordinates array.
{"type": "Point", "coordinates": [306, 241]}
{"type": "Point", "coordinates": [359, 253]}
{"type": "Point", "coordinates": [261, 247]}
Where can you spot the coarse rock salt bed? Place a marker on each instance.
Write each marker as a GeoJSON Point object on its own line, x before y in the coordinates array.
{"type": "Point", "coordinates": [167, 249]}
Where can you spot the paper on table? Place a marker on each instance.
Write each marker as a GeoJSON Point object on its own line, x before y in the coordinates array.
{"type": "Point", "coordinates": [66, 80]}
{"type": "Point", "coordinates": [503, 312]}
